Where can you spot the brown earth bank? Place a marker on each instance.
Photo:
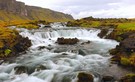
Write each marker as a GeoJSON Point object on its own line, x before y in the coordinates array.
{"type": "Point", "coordinates": [11, 43]}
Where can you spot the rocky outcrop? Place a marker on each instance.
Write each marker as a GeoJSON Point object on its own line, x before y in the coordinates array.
{"type": "Point", "coordinates": [40, 67]}
{"type": "Point", "coordinates": [11, 43]}
{"type": "Point", "coordinates": [70, 41]}
{"type": "Point", "coordinates": [22, 45]}
{"type": "Point", "coordinates": [14, 7]}
{"type": "Point", "coordinates": [123, 54]}
{"type": "Point", "coordinates": [85, 77]}
{"type": "Point", "coordinates": [13, 10]}
{"type": "Point", "coordinates": [103, 33]}
{"type": "Point", "coordinates": [21, 69]}
{"type": "Point", "coordinates": [127, 45]}
{"type": "Point", "coordinates": [128, 78]}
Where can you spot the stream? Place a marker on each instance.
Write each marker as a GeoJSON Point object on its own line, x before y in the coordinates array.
{"type": "Point", "coordinates": [47, 61]}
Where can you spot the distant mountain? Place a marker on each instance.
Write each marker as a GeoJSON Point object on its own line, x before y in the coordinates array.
{"type": "Point", "coordinates": [14, 10]}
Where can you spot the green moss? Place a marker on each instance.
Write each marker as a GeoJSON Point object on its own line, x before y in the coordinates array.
{"type": "Point", "coordinates": [7, 52]}
{"type": "Point", "coordinates": [7, 40]}
{"type": "Point", "coordinates": [125, 61]}
{"type": "Point", "coordinates": [130, 75]}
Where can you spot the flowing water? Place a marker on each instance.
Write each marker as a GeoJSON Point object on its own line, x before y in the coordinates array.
{"type": "Point", "coordinates": [46, 61]}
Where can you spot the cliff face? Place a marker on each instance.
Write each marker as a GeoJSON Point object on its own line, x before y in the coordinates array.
{"type": "Point", "coordinates": [13, 10]}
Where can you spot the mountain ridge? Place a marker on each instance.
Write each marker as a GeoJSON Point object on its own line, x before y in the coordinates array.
{"type": "Point", "coordinates": [16, 10]}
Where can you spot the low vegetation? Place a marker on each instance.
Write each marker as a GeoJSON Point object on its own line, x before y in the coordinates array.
{"type": "Point", "coordinates": [28, 26]}
{"type": "Point", "coordinates": [11, 43]}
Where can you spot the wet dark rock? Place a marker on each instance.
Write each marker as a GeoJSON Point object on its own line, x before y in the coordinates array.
{"type": "Point", "coordinates": [88, 42]}
{"type": "Point", "coordinates": [66, 79]}
{"type": "Point", "coordinates": [1, 61]}
{"type": "Point", "coordinates": [108, 79]}
{"type": "Point", "coordinates": [85, 77]}
{"type": "Point", "coordinates": [103, 33]}
{"type": "Point", "coordinates": [49, 45]}
{"type": "Point", "coordinates": [69, 41]}
{"type": "Point", "coordinates": [64, 54]}
{"type": "Point", "coordinates": [41, 47]}
{"type": "Point", "coordinates": [21, 69]}
{"type": "Point", "coordinates": [82, 52]}
{"type": "Point", "coordinates": [47, 26]}
{"type": "Point", "coordinates": [40, 67]}
{"type": "Point", "coordinates": [59, 50]}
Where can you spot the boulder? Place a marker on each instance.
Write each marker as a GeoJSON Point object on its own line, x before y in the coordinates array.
{"type": "Point", "coordinates": [69, 41]}
{"type": "Point", "coordinates": [128, 44]}
{"type": "Point", "coordinates": [21, 69]}
{"type": "Point", "coordinates": [83, 43]}
{"type": "Point", "coordinates": [85, 77]}
{"type": "Point", "coordinates": [82, 52]}
{"type": "Point", "coordinates": [107, 79]}
{"type": "Point", "coordinates": [23, 44]}
{"type": "Point", "coordinates": [103, 33]}
{"type": "Point", "coordinates": [41, 47]}
{"type": "Point", "coordinates": [66, 79]}
{"type": "Point", "coordinates": [40, 67]}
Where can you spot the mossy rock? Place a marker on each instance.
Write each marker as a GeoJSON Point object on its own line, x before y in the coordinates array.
{"type": "Point", "coordinates": [125, 61]}
{"type": "Point", "coordinates": [7, 52]}
{"type": "Point", "coordinates": [9, 39]}
{"type": "Point", "coordinates": [85, 77]}
{"type": "Point", "coordinates": [128, 78]}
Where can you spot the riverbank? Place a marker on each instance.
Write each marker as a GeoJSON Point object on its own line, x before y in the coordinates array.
{"type": "Point", "coordinates": [12, 43]}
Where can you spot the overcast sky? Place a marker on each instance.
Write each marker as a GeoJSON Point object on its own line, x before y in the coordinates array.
{"type": "Point", "coordinates": [84, 8]}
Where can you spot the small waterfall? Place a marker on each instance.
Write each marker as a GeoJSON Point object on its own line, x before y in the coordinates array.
{"type": "Point", "coordinates": [62, 66]}
{"type": "Point", "coordinates": [39, 36]}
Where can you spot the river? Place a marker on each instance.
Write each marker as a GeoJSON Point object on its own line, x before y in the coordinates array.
{"type": "Point", "coordinates": [47, 61]}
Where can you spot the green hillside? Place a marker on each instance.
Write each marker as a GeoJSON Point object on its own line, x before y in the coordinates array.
{"type": "Point", "coordinates": [12, 10]}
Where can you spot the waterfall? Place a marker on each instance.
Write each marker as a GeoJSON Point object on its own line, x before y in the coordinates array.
{"type": "Point", "coordinates": [54, 66]}
{"type": "Point", "coordinates": [42, 36]}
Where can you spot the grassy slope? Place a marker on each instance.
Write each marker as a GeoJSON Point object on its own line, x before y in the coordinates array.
{"type": "Point", "coordinates": [8, 16]}
{"type": "Point", "coordinates": [48, 15]}
{"type": "Point", "coordinates": [35, 14]}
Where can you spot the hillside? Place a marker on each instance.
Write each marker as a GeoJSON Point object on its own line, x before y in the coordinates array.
{"type": "Point", "coordinates": [14, 10]}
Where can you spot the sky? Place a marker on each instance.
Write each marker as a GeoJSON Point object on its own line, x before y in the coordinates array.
{"type": "Point", "coordinates": [85, 8]}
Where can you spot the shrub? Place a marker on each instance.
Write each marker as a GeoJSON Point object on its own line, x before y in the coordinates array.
{"type": "Point", "coordinates": [28, 26]}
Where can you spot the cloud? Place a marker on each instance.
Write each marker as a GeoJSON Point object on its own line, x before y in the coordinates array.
{"type": "Point", "coordinates": [85, 8]}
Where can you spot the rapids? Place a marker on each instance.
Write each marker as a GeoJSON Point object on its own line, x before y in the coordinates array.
{"type": "Point", "coordinates": [48, 65]}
